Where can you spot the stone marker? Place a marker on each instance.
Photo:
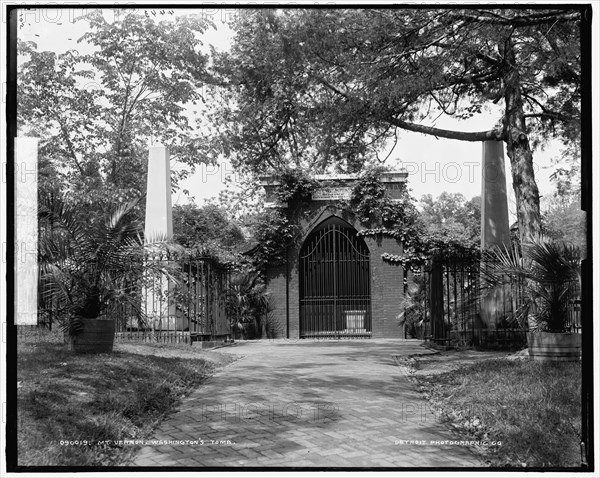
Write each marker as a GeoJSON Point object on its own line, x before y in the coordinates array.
{"type": "Point", "coordinates": [26, 231]}
{"type": "Point", "coordinates": [495, 230]}
{"type": "Point", "coordinates": [159, 215]}
{"type": "Point", "coordinates": [160, 306]}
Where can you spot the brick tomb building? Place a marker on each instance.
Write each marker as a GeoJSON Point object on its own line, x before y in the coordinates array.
{"type": "Point", "coordinates": [336, 283]}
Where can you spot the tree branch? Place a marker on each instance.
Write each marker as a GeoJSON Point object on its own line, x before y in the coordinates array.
{"type": "Point", "coordinates": [488, 59]}
{"type": "Point", "coordinates": [548, 115]}
{"type": "Point", "coordinates": [70, 145]}
{"type": "Point", "coordinates": [493, 134]}
{"type": "Point", "coordinates": [518, 21]}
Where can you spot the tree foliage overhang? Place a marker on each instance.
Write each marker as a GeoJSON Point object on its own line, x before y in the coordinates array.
{"type": "Point", "coordinates": [96, 110]}
{"type": "Point", "coordinates": [316, 88]}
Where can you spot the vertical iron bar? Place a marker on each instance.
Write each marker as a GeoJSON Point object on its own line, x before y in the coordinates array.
{"type": "Point", "coordinates": [188, 291]}
{"type": "Point", "coordinates": [356, 277]}
{"type": "Point", "coordinates": [302, 269]}
{"type": "Point", "coordinates": [307, 293]}
{"type": "Point", "coordinates": [318, 265]}
{"type": "Point", "coordinates": [456, 304]}
{"type": "Point", "coordinates": [335, 279]}
{"type": "Point", "coordinates": [321, 293]}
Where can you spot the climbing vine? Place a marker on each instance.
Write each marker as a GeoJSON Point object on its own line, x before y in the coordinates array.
{"type": "Point", "coordinates": [369, 198]}
{"type": "Point", "coordinates": [275, 233]}
{"type": "Point", "coordinates": [278, 229]}
{"type": "Point", "coordinates": [399, 219]}
{"type": "Point", "coordinates": [383, 216]}
{"type": "Point", "coordinates": [378, 212]}
{"type": "Point", "coordinates": [295, 187]}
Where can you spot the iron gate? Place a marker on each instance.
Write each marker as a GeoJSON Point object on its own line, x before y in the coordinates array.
{"type": "Point", "coordinates": [335, 295]}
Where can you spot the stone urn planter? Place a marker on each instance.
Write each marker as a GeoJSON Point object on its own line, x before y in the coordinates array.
{"type": "Point", "coordinates": [97, 336]}
{"type": "Point", "coordinates": [554, 347]}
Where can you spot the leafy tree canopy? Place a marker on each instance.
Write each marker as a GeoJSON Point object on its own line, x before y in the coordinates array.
{"type": "Point", "coordinates": [565, 221]}
{"type": "Point", "coordinates": [98, 110]}
{"type": "Point", "coordinates": [452, 214]}
{"type": "Point", "coordinates": [326, 88]}
{"type": "Point", "coordinates": [205, 227]}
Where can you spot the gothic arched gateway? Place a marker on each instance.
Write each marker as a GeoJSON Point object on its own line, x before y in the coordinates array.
{"type": "Point", "coordinates": [334, 282]}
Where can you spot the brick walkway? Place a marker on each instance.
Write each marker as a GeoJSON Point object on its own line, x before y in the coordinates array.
{"type": "Point", "coordinates": [307, 404]}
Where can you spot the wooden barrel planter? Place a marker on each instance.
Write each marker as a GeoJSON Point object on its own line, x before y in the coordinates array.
{"type": "Point", "coordinates": [554, 347]}
{"type": "Point", "coordinates": [98, 336]}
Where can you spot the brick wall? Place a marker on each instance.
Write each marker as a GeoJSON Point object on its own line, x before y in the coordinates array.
{"type": "Point", "coordinates": [277, 291]}
{"type": "Point", "coordinates": [294, 296]}
{"type": "Point", "coordinates": [386, 278]}
{"type": "Point", "coordinates": [387, 289]}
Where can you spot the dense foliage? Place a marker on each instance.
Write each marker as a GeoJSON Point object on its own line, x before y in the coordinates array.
{"type": "Point", "coordinates": [550, 272]}
{"type": "Point", "coordinates": [97, 111]}
{"type": "Point", "coordinates": [274, 233]}
{"type": "Point", "coordinates": [453, 215]}
{"type": "Point", "coordinates": [86, 271]}
{"type": "Point", "coordinates": [562, 217]}
{"type": "Point", "coordinates": [325, 89]}
{"type": "Point", "coordinates": [208, 226]}
{"type": "Point", "coordinates": [277, 229]}
{"type": "Point", "coordinates": [248, 304]}
{"type": "Point", "coordinates": [422, 234]}
{"type": "Point", "coordinates": [295, 187]}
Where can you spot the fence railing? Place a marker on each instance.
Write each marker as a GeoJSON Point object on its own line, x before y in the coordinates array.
{"type": "Point", "coordinates": [184, 304]}
{"type": "Point", "coordinates": [450, 307]}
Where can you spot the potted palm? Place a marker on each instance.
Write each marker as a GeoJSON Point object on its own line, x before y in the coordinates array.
{"type": "Point", "coordinates": [549, 275]}
{"type": "Point", "coordinates": [89, 268]}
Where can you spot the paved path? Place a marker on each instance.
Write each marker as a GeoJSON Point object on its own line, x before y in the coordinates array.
{"type": "Point", "coordinates": [308, 404]}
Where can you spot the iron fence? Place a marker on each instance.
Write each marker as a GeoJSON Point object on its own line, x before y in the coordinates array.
{"type": "Point", "coordinates": [179, 298]}
{"type": "Point", "coordinates": [450, 309]}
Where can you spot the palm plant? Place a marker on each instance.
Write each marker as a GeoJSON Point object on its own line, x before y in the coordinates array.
{"type": "Point", "coordinates": [413, 315]}
{"type": "Point", "coordinates": [90, 268]}
{"type": "Point", "coordinates": [548, 274]}
{"type": "Point", "coordinates": [248, 300]}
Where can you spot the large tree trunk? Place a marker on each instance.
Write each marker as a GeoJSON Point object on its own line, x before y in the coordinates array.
{"type": "Point", "coordinates": [519, 151]}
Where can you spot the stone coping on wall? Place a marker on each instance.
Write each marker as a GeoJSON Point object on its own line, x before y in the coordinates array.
{"type": "Point", "coordinates": [332, 186]}
{"type": "Point", "coordinates": [399, 176]}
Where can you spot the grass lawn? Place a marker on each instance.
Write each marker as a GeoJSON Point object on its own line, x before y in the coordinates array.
{"type": "Point", "coordinates": [533, 408]}
{"type": "Point", "coordinates": [103, 397]}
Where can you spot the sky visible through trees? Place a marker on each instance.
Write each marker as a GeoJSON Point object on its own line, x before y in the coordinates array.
{"type": "Point", "coordinates": [434, 165]}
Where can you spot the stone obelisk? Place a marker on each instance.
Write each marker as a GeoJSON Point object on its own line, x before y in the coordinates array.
{"type": "Point", "coordinates": [494, 200]}
{"type": "Point", "coordinates": [495, 230]}
{"type": "Point", "coordinates": [159, 304]}
{"type": "Point", "coordinates": [159, 215]}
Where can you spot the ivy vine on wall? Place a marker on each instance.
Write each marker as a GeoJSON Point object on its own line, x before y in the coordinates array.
{"type": "Point", "coordinates": [278, 229]}
{"type": "Point", "coordinates": [399, 219]}
{"type": "Point", "coordinates": [295, 187]}
{"type": "Point", "coordinates": [383, 216]}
